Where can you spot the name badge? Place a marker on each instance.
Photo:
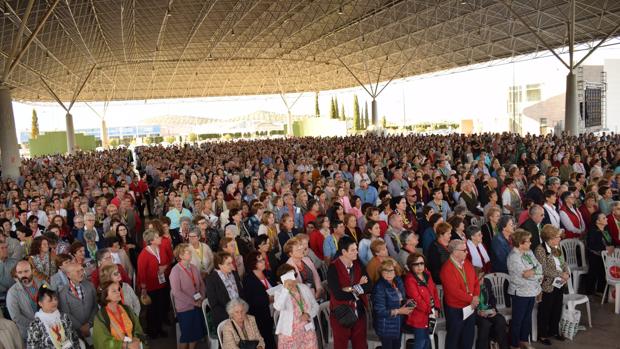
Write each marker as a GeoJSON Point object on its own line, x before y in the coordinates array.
{"type": "Point", "coordinates": [67, 344]}
{"type": "Point", "coordinates": [161, 278]}
{"type": "Point", "coordinates": [197, 296]}
{"type": "Point", "coordinates": [127, 339]}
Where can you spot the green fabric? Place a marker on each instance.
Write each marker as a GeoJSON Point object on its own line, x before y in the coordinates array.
{"type": "Point", "coordinates": [102, 338]}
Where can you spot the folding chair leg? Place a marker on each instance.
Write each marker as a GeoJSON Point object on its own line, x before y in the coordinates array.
{"type": "Point", "coordinates": [589, 314]}
{"type": "Point", "coordinates": [617, 300]}
{"type": "Point", "coordinates": [604, 293]}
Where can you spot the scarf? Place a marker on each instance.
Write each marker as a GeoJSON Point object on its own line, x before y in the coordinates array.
{"type": "Point", "coordinates": [478, 259]}
{"type": "Point", "coordinates": [53, 326]}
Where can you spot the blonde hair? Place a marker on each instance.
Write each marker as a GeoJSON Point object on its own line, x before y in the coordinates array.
{"type": "Point", "coordinates": [549, 232]}
{"type": "Point", "coordinates": [519, 237]}
{"type": "Point", "coordinates": [105, 273]}
{"type": "Point", "coordinates": [179, 250]}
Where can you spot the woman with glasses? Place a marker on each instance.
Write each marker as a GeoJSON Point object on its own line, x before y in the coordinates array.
{"type": "Point", "coordinates": [570, 217]}
{"type": "Point", "coordinates": [525, 275]}
{"type": "Point", "coordinates": [223, 284]}
{"type": "Point", "coordinates": [187, 291]}
{"type": "Point", "coordinates": [256, 282]}
{"type": "Point", "coordinates": [128, 295]}
{"type": "Point", "coordinates": [304, 267]}
{"type": "Point", "coordinates": [420, 288]}
{"type": "Point", "coordinates": [115, 325]}
{"type": "Point", "coordinates": [201, 253]}
{"type": "Point", "coordinates": [389, 304]}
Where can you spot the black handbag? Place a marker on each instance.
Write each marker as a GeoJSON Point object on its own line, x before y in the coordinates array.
{"type": "Point", "coordinates": [345, 315]}
{"type": "Point", "coordinates": [244, 343]}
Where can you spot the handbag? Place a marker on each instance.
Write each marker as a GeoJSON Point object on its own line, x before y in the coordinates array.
{"type": "Point", "coordinates": [244, 343]}
{"type": "Point", "coordinates": [345, 315]}
{"type": "Point", "coordinates": [569, 323]}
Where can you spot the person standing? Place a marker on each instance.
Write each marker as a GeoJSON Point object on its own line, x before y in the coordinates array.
{"type": "Point", "coordinates": [524, 276]}
{"type": "Point", "coordinates": [348, 289]}
{"type": "Point", "coordinates": [460, 296]}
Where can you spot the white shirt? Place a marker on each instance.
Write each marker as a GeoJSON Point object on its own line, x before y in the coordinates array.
{"type": "Point", "coordinates": [554, 216]}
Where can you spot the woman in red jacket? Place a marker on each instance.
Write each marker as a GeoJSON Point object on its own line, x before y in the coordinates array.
{"type": "Point", "coordinates": [152, 266]}
{"type": "Point", "coordinates": [420, 287]}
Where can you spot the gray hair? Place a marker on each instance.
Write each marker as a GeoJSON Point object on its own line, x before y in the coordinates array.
{"type": "Point", "coordinates": [405, 235]}
{"type": "Point", "coordinates": [89, 215]}
{"type": "Point", "coordinates": [185, 219]}
{"type": "Point", "coordinates": [553, 180]}
{"type": "Point", "coordinates": [454, 245]}
{"type": "Point", "coordinates": [614, 204]}
{"type": "Point", "coordinates": [235, 302]}
{"type": "Point", "coordinates": [149, 235]}
{"type": "Point", "coordinates": [535, 208]}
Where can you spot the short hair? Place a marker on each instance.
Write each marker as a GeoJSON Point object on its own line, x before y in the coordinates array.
{"type": "Point", "coordinates": [376, 245]}
{"type": "Point", "coordinates": [549, 232]}
{"type": "Point", "coordinates": [535, 208]}
{"type": "Point", "coordinates": [235, 302]}
{"type": "Point", "coordinates": [389, 263]}
{"type": "Point", "coordinates": [460, 210]}
{"type": "Point", "coordinates": [344, 243]}
{"type": "Point", "coordinates": [519, 237]}
{"type": "Point", "coordinates": [179, 250]}
{"type": "Point", "coordinates": [549, 193]}
{"type": "Point", "coordinates": [149, 235]}
{"type": "Point", "coordinates": [434, 218]}
{"type": "Point", "coordinates": [288, 246]}
{"type": "Point", "coordinates": [471, 231]}
{"type": "Point", "coordinates": [454, 244]}
{"type": "Point", "coordinates": [251, 260]}
{"type": "Point", "coordinates": [443, 228]}
{"type": "Point", "coordinates": [102, 292]}
{"type": "Point", "coordinates": [62, 258]}
{"type": "Point", "coordinates": [259, 240]}
{"type": "Point", "coordinates": [395, 200]}
{"type": "Point", "coordinates": [75, 246]}
{"type": "Point", "coordinates": [45, 290]}
{"type": "Point", "coordinates": [225, 241]}
{"type": "Point", "coordinates": [406, 235]}
{"type": "Point", "coordinates": [105, 273]}
{"type": "Point", "coordinates": [100, 253]}
{"type": "Point", "coordinates": [219, 258]}
{"type": "Point", "coordinates": [414, 257]}
{"type": "Point", "coordinates": [335, 223]}
{"type": "Point", "coordinates": [503, 222]}
{"type": "Point", "coordinates": [492, 211]}
{"type": "Point", "coordinates": [285, 268]}
{"type": "Point", "coordinates": [185, 219]}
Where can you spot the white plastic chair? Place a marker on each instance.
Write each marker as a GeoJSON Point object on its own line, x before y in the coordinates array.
{"type": "Point", "coordinates": [440, 326]}
{"type": "Point", "coordinates": [611, 281]}
{"type": "Point", "coordinates": [220, 331]}
{"type": "Point", "coordinates": [569, 249]}
{"type": "Point", "coordinates": [176, 321]}
{"type": "Point", "coordinates": [572, 299]}
{"type": "Point", "coordinates": [498, 280]}
{"type": "Point", "coordinates": [325, 330]}
{"type": "Point", "coordinates": [212, 341]}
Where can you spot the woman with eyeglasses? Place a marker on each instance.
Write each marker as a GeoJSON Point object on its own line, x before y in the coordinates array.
{"type": "Point", "coordinates": [128, 295]}
{"type": "Point", "coordinates": [421, 289]}
{"type": "Point", "coordinates": [187, 291]}
{"type": "Point", "coordinates": [223, 284]}
{"type": "Point", "coordinates": [389, 304]}
{"type": "Point", "coordinates": [201, 253]}
{"type": "Point", "coordinates": [115, 325]}
{"type": "Point", "coordinates": [256, 282]}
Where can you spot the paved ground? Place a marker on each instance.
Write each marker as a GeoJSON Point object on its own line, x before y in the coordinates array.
{"type": "Point", "coordinates": [605, 333]}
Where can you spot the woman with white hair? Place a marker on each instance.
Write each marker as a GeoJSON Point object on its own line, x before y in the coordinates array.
{"type": "Point", "coordinates": [241, 330]}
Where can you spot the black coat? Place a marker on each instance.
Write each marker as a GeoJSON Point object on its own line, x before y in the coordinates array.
{"type": "Point", "coordinates": [218, 295]}
{"type": "Point", "coordinates": [533, 229]}
{"type": "Point", "coordinates": [255, 294]}
{"type": "Point", "coordinates": [437, 255]}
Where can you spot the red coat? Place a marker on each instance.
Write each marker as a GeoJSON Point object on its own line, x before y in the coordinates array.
{"type": "Point", "coordinates": [612, 225]}
{"type": "Point", "coordinates": [148, 268]}
{"type": "Point", "coordinates": [316, 243]}
{"type": "Point", "coordinates": [422, 295]}
{"type": "Point", "coordinates": [166, 250]}
{"type": "Point", "coordinates": [456, 295]}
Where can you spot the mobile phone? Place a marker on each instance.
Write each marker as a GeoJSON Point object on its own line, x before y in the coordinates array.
{"type": "Point", "coordinates": [410, 303]}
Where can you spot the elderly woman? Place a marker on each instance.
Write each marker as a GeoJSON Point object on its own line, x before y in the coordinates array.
{"type": "Point", "coordinates": [115, 326]}
{"type": "Point", "coordinates": [41, 259]}
{"type": "Point", "coordinates": [188, 291]}
{"type": "Point", "coordinates": [128, 295]}
{"type": "Point", "coordinates": [555, 276]}
{"type": "Point", "coordinates": [151, 277]}
{"type": "Point", "coordinates": [304, 267]}
{"type": "Point", "coordinates": [297, 307]}
{"type": "Point", "coordinates": [389, 303]}
{"type": "Point", "coordinates": [202, 256]}
{"type": "Point", "coordinates": [420, 288]}
{"type": "Point", "coordinates": [525, 274]}
{"type": "Point", "coordinates": [50, 329]}
{"type": "Point", "coordinates": [241, 327]}
{"type": "Point", "coordinates": [255, 285]}
{"type": "Point", "coordinates": [223, 284]}
{"type": "Point", "coordinates": [478, 255]}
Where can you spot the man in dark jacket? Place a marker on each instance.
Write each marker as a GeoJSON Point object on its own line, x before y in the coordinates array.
{"type": "Point", "coordinates": [533, 224]}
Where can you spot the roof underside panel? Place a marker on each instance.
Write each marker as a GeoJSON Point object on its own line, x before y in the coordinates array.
{"type": "Point", "coordinates": [144, 49]}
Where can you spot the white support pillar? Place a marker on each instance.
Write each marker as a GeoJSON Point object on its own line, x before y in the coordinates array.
{"type": "Point", "coordinates": [289, 123]}
{"type": "Point", "coordinates": [105, 141]}
{"type": "Point", "coordinates": [375, 116]}
{"type": "Point", "coordinates": [571, 116]}
{"type": "Point", "coordinates": [9, 148]}
{"type": "Point", "coordinates": [70, 134]}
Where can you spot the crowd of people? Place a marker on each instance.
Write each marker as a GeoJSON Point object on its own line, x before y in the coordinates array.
{"type": "Point", "coordinates": [106, 248]}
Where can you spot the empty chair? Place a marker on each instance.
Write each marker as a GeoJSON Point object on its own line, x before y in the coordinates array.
{"type": "Point", "coordinates": [607, 262]}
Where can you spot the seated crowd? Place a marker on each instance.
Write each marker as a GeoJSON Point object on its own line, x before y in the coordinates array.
{"type": "Point", "coordinates": [401, 230]}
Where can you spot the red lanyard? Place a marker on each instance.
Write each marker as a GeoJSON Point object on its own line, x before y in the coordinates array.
{"type": "Point", "coordinates": [33, 297]}
{"type": "Point", "coordinates": [74, 290]}
{"type": "Point", "coordinates": [190, 274]}
{"type": "Point", "coordinates": [118, 319]}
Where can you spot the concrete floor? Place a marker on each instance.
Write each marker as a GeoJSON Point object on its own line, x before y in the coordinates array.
{"type": "Point", "coordinates": [605, 333]}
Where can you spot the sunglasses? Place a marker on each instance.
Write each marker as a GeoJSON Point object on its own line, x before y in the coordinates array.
{"type": "Point", "coordinates": [418, 264]}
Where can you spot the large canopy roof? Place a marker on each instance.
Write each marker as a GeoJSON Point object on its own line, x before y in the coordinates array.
{"type": "Point", "coordinates": [144, 49]}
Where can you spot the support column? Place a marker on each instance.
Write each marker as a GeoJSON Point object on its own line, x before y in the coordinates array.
{"type": "Point", "coordinates": [375, 116]}
{"type": "Point", "coordinates": [289, 123]}
{"type": "Point", "coordinates": [571, 116]}
{"type": "Point", "coordinates": [70, 134]}
{"type": "Point", "coordinates": [105, 141]}
{"type": "Point", "coordinates": [9, 148]}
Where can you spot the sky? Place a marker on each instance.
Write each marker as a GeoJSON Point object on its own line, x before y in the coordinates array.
{"type": "Point", "coordinates": [473, 93]}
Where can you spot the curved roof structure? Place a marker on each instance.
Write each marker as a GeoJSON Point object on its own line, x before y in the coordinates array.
{"type": "Point", "coordinates": [144, 49]}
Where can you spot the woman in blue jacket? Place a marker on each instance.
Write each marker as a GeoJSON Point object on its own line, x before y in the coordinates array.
{"type": "Point", "coordinates": [389, 304]}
